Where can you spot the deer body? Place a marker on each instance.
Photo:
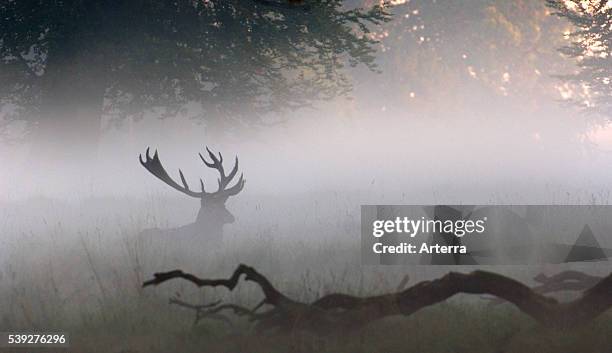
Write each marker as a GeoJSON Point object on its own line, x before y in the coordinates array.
{"type": "Point", "coordinates": [213, 214]}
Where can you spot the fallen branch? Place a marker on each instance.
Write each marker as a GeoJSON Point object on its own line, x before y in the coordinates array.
{"type": "Point", "coordinates": [340, 312]}
{"type": "Point", "coordinates": [564, 281]}
{"type": "Point", "coordinates": [202, 311]}
{"type": "Point", "coordinates": [568, 277]}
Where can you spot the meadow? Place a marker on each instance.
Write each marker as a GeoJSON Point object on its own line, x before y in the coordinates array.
{"type": "Point", "coordinates": [78, 266]}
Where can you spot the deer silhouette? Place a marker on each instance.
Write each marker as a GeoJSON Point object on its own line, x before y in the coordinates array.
{"type": "Point", "coordinates": [213, 214]}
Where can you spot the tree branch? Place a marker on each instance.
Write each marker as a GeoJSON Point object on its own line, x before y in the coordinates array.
{"type": "Point", "coordinates": [285, 5]}
{"type": "Point", "coordinates": [564, 281]}
{"type": "Point", "coordinates": [340, 312]}
{"type": "Point", "coordinates": [272, 296]}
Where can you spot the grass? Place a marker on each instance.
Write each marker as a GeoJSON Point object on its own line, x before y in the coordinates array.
{"type": "Point", "coordinates": [78, 268]}
{"type": "Point", "coordinates": [449, 327]}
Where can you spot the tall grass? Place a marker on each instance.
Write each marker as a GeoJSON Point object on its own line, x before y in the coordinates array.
{"type": "Point", "coordinates": [78, 267]}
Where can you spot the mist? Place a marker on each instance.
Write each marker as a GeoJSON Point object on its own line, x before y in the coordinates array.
{"type": "Point", "coordinates": [492, 156]}
{"type": "Point", "coordinates": [410, 109]}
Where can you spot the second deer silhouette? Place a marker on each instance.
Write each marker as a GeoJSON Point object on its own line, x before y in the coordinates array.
{"type": "Point", "coordinates": [213, 214]}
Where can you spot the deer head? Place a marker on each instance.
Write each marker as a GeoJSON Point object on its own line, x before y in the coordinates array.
{"type": "Point", "coordinates": [213, 214]}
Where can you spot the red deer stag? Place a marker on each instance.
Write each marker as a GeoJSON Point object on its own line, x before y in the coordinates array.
{"type": "Point", "coordinates": [212, 215]}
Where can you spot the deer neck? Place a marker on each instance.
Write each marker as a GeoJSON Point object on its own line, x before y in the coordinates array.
{"type": "Point", "coordinates": [210, 222]}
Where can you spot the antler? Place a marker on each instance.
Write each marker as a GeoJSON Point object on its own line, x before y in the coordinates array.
{"type": "Point", "coordinates": [154, 166]}
{"type": "Point", "coordinates": [224, 180]}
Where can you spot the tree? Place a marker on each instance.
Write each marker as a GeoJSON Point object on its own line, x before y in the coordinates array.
{"type": "Point", "coordinates": [66, 63]}
{"type": "Point", "coordinates": [591, 47]}
{"type": "Point", "coordinates": [465, 54]}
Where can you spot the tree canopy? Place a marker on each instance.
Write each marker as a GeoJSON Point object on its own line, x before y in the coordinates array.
{"type": "Point", "coordinates": [234, 58]}
{"type": "Point", "coordinates": [591, 47]}
{"type": "Point", "coordinates": [464, 53]}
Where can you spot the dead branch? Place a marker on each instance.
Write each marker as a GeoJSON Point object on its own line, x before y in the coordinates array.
{"type": "Point", "coordinates": [564, 281]}
{"type": "Point", "coordinates": [568, 277]}
{"type": "Point", "coordinates": [341, 312]}
{"type": "Point", "coordinates": [202, 311]}
{"type": "Point", "coordinates": [272, 296]}
{"type": "Point", "coordinates": [179, 302]}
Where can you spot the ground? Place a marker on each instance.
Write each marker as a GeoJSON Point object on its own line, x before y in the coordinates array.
{"type": "Point", "coordinates": [78, 267]}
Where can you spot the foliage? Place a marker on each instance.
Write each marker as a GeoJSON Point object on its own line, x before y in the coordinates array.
{"type": "Point", "coordinates": [227, 56]}
{"type": "Point", "coordinates": [591, 46]}
{"type": "Point", "coordinates": [468, 55]}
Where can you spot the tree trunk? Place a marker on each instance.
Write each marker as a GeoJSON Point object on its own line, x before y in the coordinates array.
{"type": "Point", "coordinates": [69, 122]}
